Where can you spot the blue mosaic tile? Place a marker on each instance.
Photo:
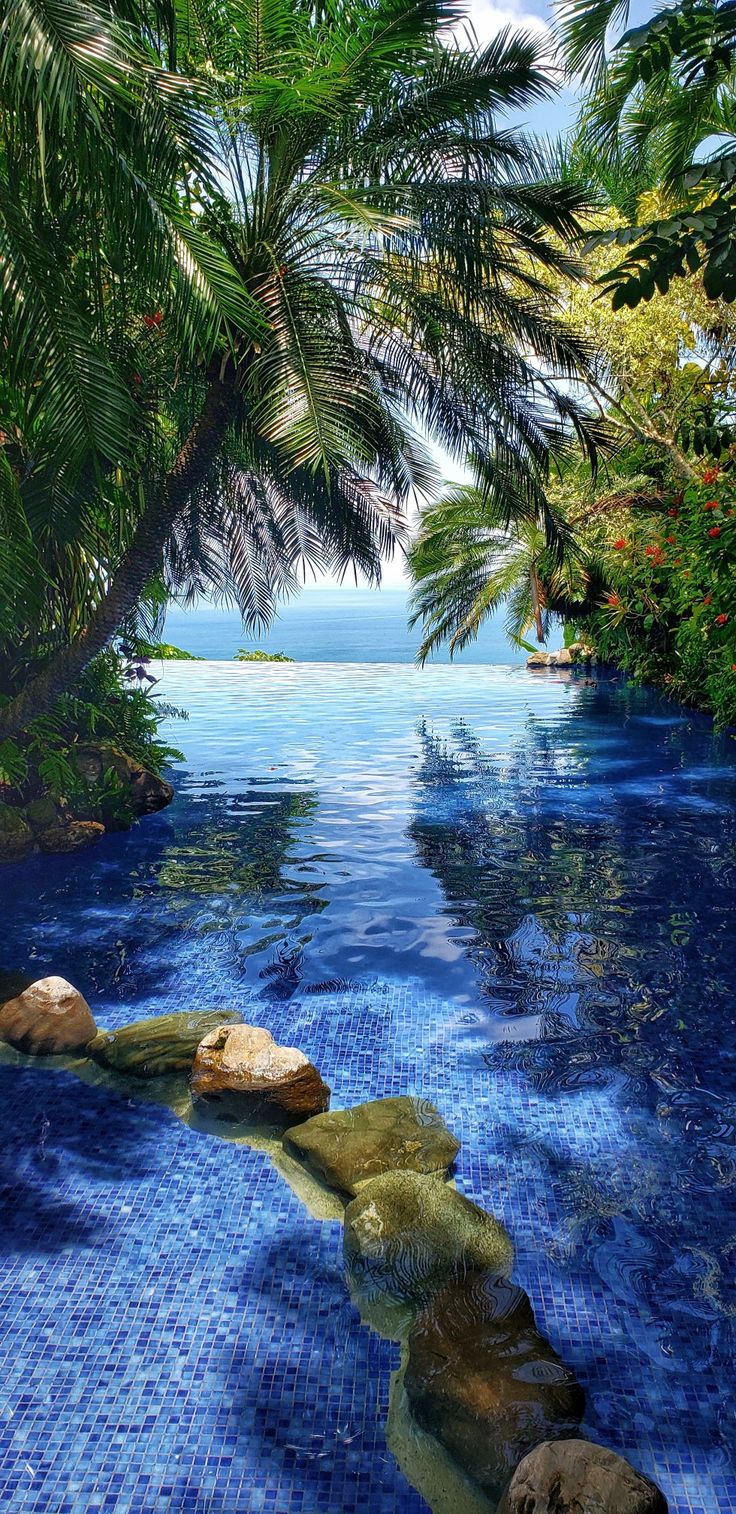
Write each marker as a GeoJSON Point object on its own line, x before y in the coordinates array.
{"type": "Point", "coordinates": [175, 1331]}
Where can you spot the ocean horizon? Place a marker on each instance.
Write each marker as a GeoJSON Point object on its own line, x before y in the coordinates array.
{"type": "Point", "coordinates": [330, 625]}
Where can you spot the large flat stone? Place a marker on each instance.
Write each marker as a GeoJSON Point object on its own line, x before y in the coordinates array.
{"type": "Point", "coordinates": [486, 1383]}
{"type": "Point", "coordinates": [348, 1146]}
{"type": "Point", "coordinates": [576, 1477]}
{"type": "Point", "coordinates": [163, 1044]}
{"type": "Point", "coordinates": [243, 1072]}
{"type": "Point", "coordinates": [405, 1234]}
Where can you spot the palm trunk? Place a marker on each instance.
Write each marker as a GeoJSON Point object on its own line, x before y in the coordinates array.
{"type": "Point", "coordinates": [537, 604]}
{"type": "Point", "coordinates": [141, 560]}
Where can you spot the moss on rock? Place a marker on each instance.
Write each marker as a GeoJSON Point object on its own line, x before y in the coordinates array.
{"type": "Point", "coordinates": [406, 1234]}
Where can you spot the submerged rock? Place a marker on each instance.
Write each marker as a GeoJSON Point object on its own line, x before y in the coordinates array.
{"type": "Point", "coordinates": [72, 836]}
{"type": "Point", "coordinates": [348, 1146]}
{"type": "Point", "coordinates": [241, 1068]}
{"type": "Point", "coordinates": [576, 1477]}
{"type": "Point", "coordinates": [144, 791]}
{"type": "Point", "coordinates": [16, 837]}
{"type": "Point", "coordinates": [163, 1044]}
{"type": "Point", "coordinates": [406, 1234]}
{"type": "Point", "coordinates": [482, 1379]}
{"type": "Point", "coordinates": [47, 1018]}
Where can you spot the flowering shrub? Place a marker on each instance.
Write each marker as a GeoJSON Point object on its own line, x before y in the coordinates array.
{"type": "Point", "coordinates": [669, 611]}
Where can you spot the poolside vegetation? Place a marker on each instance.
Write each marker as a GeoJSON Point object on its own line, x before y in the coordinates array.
{"type": "Point", "coordinates": [257, 262]}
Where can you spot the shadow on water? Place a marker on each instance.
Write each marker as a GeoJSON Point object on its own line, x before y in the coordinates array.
{"type": "Point", "coordinates": [61, 1139]}
{"type": "Point", "coordinates": [594, 871]}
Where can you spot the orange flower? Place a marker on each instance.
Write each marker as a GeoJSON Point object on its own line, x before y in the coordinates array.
{"type": "Point", "coordinates": [708, 599]}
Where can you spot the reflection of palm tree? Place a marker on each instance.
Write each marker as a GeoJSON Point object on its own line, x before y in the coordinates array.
{"type": "Point", "coordinates": [242, 845]}
{"type": "Point", "coordinates": [544, 891]}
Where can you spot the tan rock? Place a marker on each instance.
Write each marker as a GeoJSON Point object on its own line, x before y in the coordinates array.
{"type": "Point", "coordinates": [538, 660]}
{"type": "Point", "coordinates": [250, 1076]}
{"type": "Point", "coordinates": [48, 1017]}
{"type": "Point", "coordinates": [576, 1477]}
{"type": "Point", "coordinates": [74, 836]}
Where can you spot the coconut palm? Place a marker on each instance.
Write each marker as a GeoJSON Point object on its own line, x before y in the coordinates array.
{"type": "Point", "coordinates": [371, 245]}
{"type": "Point", "coordinates": [466, 564]}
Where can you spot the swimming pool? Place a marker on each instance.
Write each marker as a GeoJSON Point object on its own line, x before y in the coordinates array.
{"type": "Point", "coordinates": [513, 894]}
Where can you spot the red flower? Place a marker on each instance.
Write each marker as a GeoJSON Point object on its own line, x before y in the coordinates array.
{"type": "Point", "coordinates": [678, 498]}
{"type": "Point", "coordinates": [152, 321]}
{"type": "Point", "coordinates": [613, 599]}
{"type": "Point", "coordinates": [714, 531]}
{"type": "Point", "coordinates": [720, 620]}
{"type": "Point", "coordinates": [651, 551]}
{"type": "Point", "coordinates": [708, 599]}
{"type": "Point", "coordinates": [672, 540]}
{"type": "Point", "coordinates": [673, 513]}
{"type": "Point", "coordinates": [136, 378]}
{"type": "Point", "coordinates": [710, 475]}
{"type": "Point", "coordinates": [733, 667]}
{"type": "Point", "coordinates": [711, 504]}
{"type": "Point", "coordinates": [619, 544]}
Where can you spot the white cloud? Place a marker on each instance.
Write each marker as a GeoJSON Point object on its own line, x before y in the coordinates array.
{"type": "Point", "coordinates": [487, 20]}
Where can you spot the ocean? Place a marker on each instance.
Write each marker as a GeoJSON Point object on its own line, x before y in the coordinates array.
{"type": "Point", "coordinates": [330, 625]}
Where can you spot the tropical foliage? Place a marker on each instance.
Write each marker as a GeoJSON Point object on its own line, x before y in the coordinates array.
{"type": "Point", "coordinates": [664, 590]}
{"type": "Point", "coordinates": [663, 94]}
{"type": "Point", "coordinates": [251, 249]}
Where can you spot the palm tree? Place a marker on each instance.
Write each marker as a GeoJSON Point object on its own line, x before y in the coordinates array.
{"type": "Point", "coordinates": [662, 94]}
{"type": "Point", "coordinates": [353, 249]}
{"type": "Point", "coordinates": [466, 564]}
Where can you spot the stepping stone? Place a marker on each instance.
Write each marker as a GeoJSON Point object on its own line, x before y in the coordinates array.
{"type": "Point", "coordinates": [406, 1234]}
{"type": "Point", "coordinates": [483, 1380]}
{"type": "Point", "coordinates": [164, 1044]}
{"type": "Point", "coordinates": [576, 1477]}
{"type": "Point", "coordinates": [348, 1146]}
{"type": "Point", "coordinates": [241, 1069]}
{"type": "Point", "coordinates": [47, 1018]}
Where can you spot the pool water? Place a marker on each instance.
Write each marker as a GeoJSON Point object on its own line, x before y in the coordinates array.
{"type": "Point", "coordinates": [512, 894]}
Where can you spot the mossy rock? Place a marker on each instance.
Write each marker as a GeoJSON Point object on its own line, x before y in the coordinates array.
{"type": "Point", "coordinates": [42, 813]}
{"type": "Point", "coordinates": [16, 836]}
{"type": "Point", "coordinates": [164, 1044]}
{"type": "Point", "coordinates": [406, 1234]}
{"type": "Point", "coordinates": [347, 1147]}
{"type": "Point", "coordinates": [482, 1378]}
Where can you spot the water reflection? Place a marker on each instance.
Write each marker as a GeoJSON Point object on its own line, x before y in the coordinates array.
{"type": "Point", "coordinates": [595, 871]}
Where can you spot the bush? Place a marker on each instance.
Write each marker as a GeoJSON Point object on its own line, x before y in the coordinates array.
{"type": "Point", "coordinates": [669, 615]}
{"type": "Point", "coordinates": [243, 656]}
{"type": "Point", "coordinates": [107, 709]}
